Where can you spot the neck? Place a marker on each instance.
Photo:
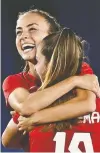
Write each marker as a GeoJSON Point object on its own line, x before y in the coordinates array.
{"type": "Point", "coordinates": [32, 70]}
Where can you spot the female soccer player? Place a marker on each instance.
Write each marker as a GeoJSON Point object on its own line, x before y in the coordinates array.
{"type": "Point", "coordinates": [60, 56]}
{"type": "Point", "coordinates": [32, 27]}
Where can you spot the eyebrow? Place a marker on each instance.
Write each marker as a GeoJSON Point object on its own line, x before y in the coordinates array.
{"type": "Point", "coordinates": [27, 25]}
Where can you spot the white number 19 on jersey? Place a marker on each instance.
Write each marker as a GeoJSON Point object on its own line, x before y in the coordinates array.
{"type": "Point", "coordinates": [60, 138]}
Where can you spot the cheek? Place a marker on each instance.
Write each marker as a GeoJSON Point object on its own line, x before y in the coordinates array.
{"type": "Point", "coordinates": [18, 46]}
{"type": "Point", "coordinates": [35, 37]}
{"type": "Point", "coordinates": [17, 43]}
{"type": "Point", "coordinates": [39, 37]}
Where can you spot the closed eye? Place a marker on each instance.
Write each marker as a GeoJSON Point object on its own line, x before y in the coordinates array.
{"type": "Point", "coordinates": [32, 29]}
{"type": "Point", "coordinates": [18, 32]}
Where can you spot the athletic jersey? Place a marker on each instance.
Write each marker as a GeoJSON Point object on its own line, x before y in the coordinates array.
{"type": "Point", "coordinates": [89, 130]}
{"type": "Point", "coordinates": [51, 141]}
{"type": "Point", "coordinates": [23, 80]}
{"type": "Point", "coordinates": [44, 141]}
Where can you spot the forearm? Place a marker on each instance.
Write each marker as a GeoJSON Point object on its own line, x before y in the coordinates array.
{"type": "Point", "coordinates": [11, 142]}
{"type": "Point", "coordinates": [12, 138]}
{"type": "Point", "coordinates": [26, 104]}
{"type": "Point", "coordinates": [41, 99]}
{"type": "Point", "coordinates": [73, 108]}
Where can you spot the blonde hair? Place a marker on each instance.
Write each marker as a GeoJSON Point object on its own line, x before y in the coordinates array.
{"type": "Point", "coordinates": [64, 53]}
{"type": "Point", "coordinates": [63, 50]}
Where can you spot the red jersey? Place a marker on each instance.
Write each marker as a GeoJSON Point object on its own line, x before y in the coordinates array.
{"type": "Point", "coordinates": [47, 141]}
{"type": "Point", "coordinates": [88, 131]}
{"type": "Point", "coordinates": [24, 80]}
{"type": "Point", "coordinates": [70, 140]}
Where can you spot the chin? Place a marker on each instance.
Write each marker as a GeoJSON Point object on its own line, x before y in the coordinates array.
{"type": "Point", "coordinates": [29, 58]}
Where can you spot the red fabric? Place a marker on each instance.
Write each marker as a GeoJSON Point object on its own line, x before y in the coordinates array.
{"type": "Point", "coordinates": [15, 117]}
{"type": "Point", "coordinates": [86, 69]}
{"type": "Point", "coordinates": [24, 80]}
{"type": "Point", "coordinates": [43, 141]}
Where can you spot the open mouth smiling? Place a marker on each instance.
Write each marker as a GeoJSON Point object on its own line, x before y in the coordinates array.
{"type": "Point", "coordinates": [28, 47]}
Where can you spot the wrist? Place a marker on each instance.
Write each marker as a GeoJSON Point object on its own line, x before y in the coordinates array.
{"type": "Point", "coordinates": [35, 118]}
{"type": "Point", "coordinates": [79, 82]}
{"type": "Point", "coordinates": [75, 81]}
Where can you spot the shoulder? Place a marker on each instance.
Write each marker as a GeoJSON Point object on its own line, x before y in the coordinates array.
{"type": "Point", "coordinates": [15, 79]}
{"type": "Point", "coordinates": [13, 82]}
{"type": "Point", "coordinates": [14, 76]}
{"type": "Point", "coordinates": [86, 69]}
{"type": "Point", "coordinates": [19, 81]}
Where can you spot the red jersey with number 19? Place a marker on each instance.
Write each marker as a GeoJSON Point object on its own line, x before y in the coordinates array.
{"type": "Point", "coordinates": [83, 137]}
{"type": "Point", "coordinates": [49, 141]}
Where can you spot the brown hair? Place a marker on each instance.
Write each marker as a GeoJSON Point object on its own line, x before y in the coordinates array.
{"type": "Point", "coordinates": [64, 53]}
{"type": "Point", "coordinates": [52, 22]}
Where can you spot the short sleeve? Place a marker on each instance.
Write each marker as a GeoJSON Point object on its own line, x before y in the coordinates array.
{"type": "Point", "coordinates": [86, 69]}
{"type": "Point", "coordinates": [15, 117]}
{"type": "Point", "coordinates": [11, 83]}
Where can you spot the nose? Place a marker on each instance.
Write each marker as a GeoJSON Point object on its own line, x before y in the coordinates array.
{"type": "Point", "coordinates": [25, 35]}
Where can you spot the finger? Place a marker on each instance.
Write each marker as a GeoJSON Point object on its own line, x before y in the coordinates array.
{"type": "Point", "coordinates": [96, 77]}
{"type": "Point", "coordinates": [12, 112]}
{"type": "Point", "coordinates": [20, 129]}
{"type": "Point", "coordinates": [97, 82]}
{"type": "Point", "coordinates": [18, 125]}
{"type": "Point", "coordinates": [24, 132]}
{"type": "Point", "coordinates": [20, 119]}
{"type": "Point", "coordinates": [98, 93]}
{"type": "Point", "coordinates": [96, 90]}
{"type": "Point", "coordinates": [96, 85]}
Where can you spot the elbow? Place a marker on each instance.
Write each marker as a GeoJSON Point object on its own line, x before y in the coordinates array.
{"type": "Point", "coordinates": [89, 102]}
{"type": "Point", "coordinates": [91, 105]}
{"type": "Point", "coordinates": [5, 143]}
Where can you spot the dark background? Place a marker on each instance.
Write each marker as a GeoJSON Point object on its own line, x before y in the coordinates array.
{"type": "Point", "coordinates": [82, 16]}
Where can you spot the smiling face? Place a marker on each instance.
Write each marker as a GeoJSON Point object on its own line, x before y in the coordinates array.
{"type": "Point", "coordinates": [31, 28]}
